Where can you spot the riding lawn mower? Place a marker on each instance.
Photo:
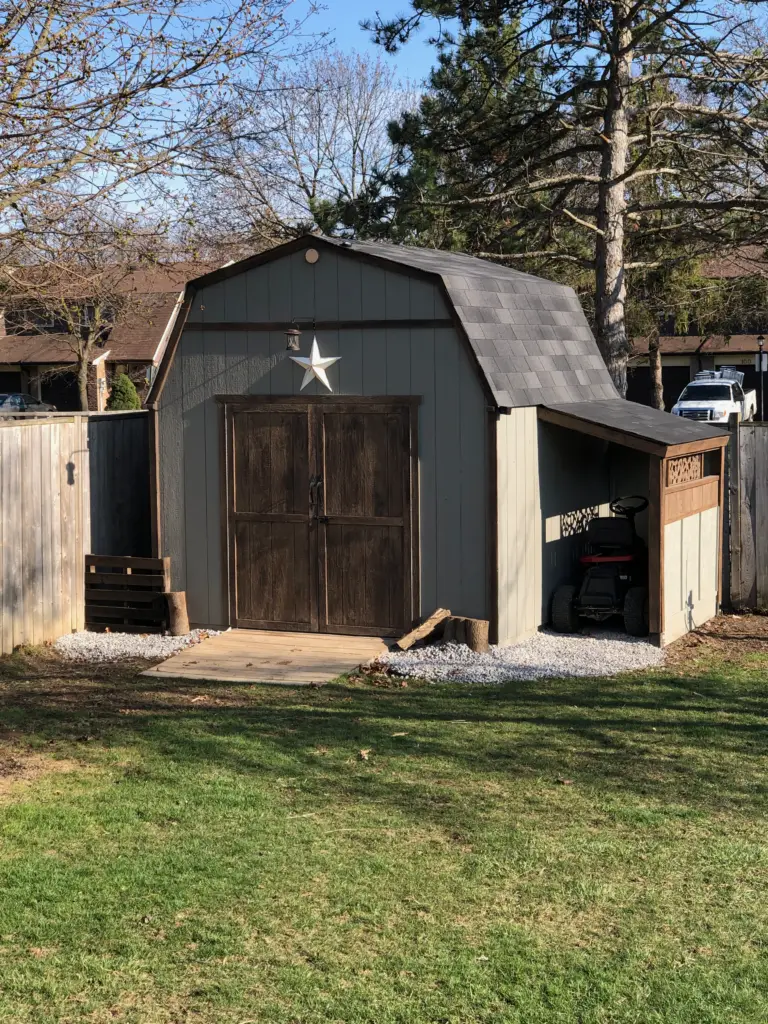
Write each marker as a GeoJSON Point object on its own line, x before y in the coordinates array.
{"type": "Point", "coordinates": [615, 567]}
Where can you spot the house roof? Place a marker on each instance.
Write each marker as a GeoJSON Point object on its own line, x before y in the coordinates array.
{"type": "Point", "coordinates": [136, 341]}
{"type": "Point", "coordinates": [674, 344]}
{"type": "Point", "coordinates": [530, 337]}
{"type": "Point", "coordinates": [746, 261]}
{"type": "Point", "coordinates": [639, 426]}
{"type": "Point", "coordinates": [141, 338]}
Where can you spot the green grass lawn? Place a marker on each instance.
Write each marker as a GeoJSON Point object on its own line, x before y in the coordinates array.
{"type": "Point", "coordinates": [569, 851]}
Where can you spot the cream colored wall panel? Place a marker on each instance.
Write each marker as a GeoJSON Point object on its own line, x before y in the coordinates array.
{"type": "Point", "coordinates": [519, 525]}
{"type": "Point", "coordinates": [690, 573]}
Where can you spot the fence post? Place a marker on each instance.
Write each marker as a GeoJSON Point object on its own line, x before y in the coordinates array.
{"type": "Point", "coordinates": [732, 536]}
{"type": "Point", "coordinates": [761, 515]}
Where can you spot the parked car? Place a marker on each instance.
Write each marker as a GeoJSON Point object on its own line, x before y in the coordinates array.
{"type": "Point", "coordinates": [19, 402]}
{"type": "Point", "coordinates": [716, 395]}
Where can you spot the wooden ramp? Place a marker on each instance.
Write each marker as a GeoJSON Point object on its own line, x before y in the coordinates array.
{"type": "Point", "coordinates": [262, 656]}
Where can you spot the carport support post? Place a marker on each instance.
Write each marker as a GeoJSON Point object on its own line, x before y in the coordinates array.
{"type": "Point", "coordinates": [722, 498]}
{"type": "Point", "coordinates": [656, 546]}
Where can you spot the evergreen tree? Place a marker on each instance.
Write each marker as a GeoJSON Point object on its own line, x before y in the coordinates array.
{"type": "Point", "coordinates": [614, 139]}
{"type": "Point", "coordinates": [123, 394]}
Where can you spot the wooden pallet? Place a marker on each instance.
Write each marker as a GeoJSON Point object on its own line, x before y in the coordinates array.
{"type": "Point", "coordinates": [125, 594]}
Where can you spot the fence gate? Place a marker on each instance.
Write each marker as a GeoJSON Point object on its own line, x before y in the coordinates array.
{"type": "Point", "coordinates": [748, 488]}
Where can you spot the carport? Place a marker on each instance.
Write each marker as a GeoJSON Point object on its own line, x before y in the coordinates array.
{"type": "Point", "coordinates": [593, 452]}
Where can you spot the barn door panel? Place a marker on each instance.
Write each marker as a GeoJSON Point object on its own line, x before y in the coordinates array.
{"type": "Point", "coordinates": [364, 537]}
{"type": "Point", "coordinates": [271, 529]}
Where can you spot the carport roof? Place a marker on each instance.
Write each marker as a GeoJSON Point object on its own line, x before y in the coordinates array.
{"type": "Point", "coordinates": [636, 426]}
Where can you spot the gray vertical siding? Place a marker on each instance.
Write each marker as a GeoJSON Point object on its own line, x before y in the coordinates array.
{"type": "Point", "coordinates": [433, 363]}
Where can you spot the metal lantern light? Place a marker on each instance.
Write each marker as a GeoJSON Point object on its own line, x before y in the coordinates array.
{"type": "Point", "coordinates": [292, 339]}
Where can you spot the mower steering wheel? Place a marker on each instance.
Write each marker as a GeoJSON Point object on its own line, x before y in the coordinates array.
{"type": "Point", "coordinates": [620, 507]}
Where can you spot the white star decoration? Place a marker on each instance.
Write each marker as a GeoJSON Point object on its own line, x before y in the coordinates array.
{"type": "Point", "coordinates": [315, 366]}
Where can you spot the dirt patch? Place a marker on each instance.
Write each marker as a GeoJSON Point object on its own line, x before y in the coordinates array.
{"type": "Point", "coordinates": [18, 767]}
{"type": "Point", "coordinates": [725, 636]}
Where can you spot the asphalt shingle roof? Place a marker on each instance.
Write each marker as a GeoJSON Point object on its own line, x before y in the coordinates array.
{"type": "Point", "coordinates": [136, 340]}
{"type": "Point", "coordinates": [530, 335]}
{"type": "Point", "coordinates": [640, 421]}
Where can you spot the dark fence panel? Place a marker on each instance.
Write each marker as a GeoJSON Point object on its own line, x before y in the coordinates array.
{"type": "Point", "coordinates": [119, 462]}
{"type": "Point", "coordinates": [748, 490]}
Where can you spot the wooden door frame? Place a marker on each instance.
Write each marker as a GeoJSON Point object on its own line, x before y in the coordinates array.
{"type": "Point", "coordinates": [230, 404]}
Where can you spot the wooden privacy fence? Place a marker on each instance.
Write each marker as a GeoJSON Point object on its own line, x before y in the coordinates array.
{"type": "Point", "coordinates": [748, 519]}
{"type": "Point", "coordinates": [51, 503]}
{"type": "Point", "coordinates": [44, 528]}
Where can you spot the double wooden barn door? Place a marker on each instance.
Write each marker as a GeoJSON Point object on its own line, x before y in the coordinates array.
{"type": "Point", "coordinates": [321, 514]}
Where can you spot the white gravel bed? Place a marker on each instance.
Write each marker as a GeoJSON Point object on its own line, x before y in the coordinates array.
{"type": "Point", "coordinates": [86, 646]}
{"type": "Point", "coordinates": [544, 655]}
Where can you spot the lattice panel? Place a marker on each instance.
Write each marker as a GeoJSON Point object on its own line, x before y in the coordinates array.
{"type": "Point", "coordinates": [684, 470]}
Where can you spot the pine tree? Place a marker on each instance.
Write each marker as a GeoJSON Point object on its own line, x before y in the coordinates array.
{"type": "Point", "coordinates": [616, 139]}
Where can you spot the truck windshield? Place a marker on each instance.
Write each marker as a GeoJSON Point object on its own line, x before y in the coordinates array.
{"type": "Point", "coordinates": [706, 393]}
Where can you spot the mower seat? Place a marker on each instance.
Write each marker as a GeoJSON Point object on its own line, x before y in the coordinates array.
{"type": "Point", "coordinates": [610, 535]}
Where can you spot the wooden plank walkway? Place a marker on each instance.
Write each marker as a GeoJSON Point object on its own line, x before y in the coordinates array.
{"type": "Point", "coordinates": [262, 656]}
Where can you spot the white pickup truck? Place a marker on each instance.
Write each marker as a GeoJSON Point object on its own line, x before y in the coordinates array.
{"type": "Point", "coordinates": [715, 396]}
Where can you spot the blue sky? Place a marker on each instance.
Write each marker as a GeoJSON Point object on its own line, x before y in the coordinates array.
{"type": "Point", "coordinates": [342, 19]}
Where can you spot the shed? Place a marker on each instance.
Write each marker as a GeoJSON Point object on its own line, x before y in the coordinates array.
{"type": "Point", "coordinates": [469, 433]}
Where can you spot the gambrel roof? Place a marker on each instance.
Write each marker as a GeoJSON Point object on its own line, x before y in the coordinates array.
{"type": "Point", "coordinates": [530, 335]}
{"type": "Point", "coordinates": [530, 338]}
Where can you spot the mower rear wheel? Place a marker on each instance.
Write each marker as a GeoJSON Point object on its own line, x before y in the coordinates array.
{"type": "Point", "coordinates": [636, 611]}
{"type": "Point", "coordinates": [565, 618]}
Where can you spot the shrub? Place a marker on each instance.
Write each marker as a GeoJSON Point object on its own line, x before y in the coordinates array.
{"type": "Point", "coordinates": [123, 394]}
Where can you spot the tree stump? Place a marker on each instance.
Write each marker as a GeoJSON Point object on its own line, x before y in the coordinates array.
{"type": "Point", "coordinates": [462, 630]}
{"type": "Point", "coordinates": [178, 621]}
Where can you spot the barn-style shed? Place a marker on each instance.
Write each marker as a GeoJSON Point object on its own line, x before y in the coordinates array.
{"type": "Point", "coordinates": [468, 433]}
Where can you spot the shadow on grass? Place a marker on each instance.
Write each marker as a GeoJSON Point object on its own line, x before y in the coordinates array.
{"type": "Point", "coordinates": [696, 742]}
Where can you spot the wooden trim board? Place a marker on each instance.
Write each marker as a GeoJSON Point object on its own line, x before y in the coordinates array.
{"type": "Point", "coordinates": [688, 499]}
{"type": "Point", "coordinates": [720, 518]}
{"type": "Point", "coordinates": [492, 541]}
{"type": "Point", "coordinates": [155, 528]}
{"type": "Point", "coordinates": [656, 472]}
{"type": "Point", "coordinates": [291, 401]}
{"type": "Point", "coordinates": [317, 325]}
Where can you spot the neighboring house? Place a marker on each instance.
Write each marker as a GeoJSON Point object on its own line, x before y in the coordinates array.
{"type": "Point", "coordinates": [683, 356]}
{"type": "Point", "coordinates": [470, 433]}
{"type": "Point", "coordinates": [41, 361]}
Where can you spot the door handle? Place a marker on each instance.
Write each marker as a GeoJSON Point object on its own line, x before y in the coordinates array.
{"type": "Point", "coordinates": [316, 499]}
